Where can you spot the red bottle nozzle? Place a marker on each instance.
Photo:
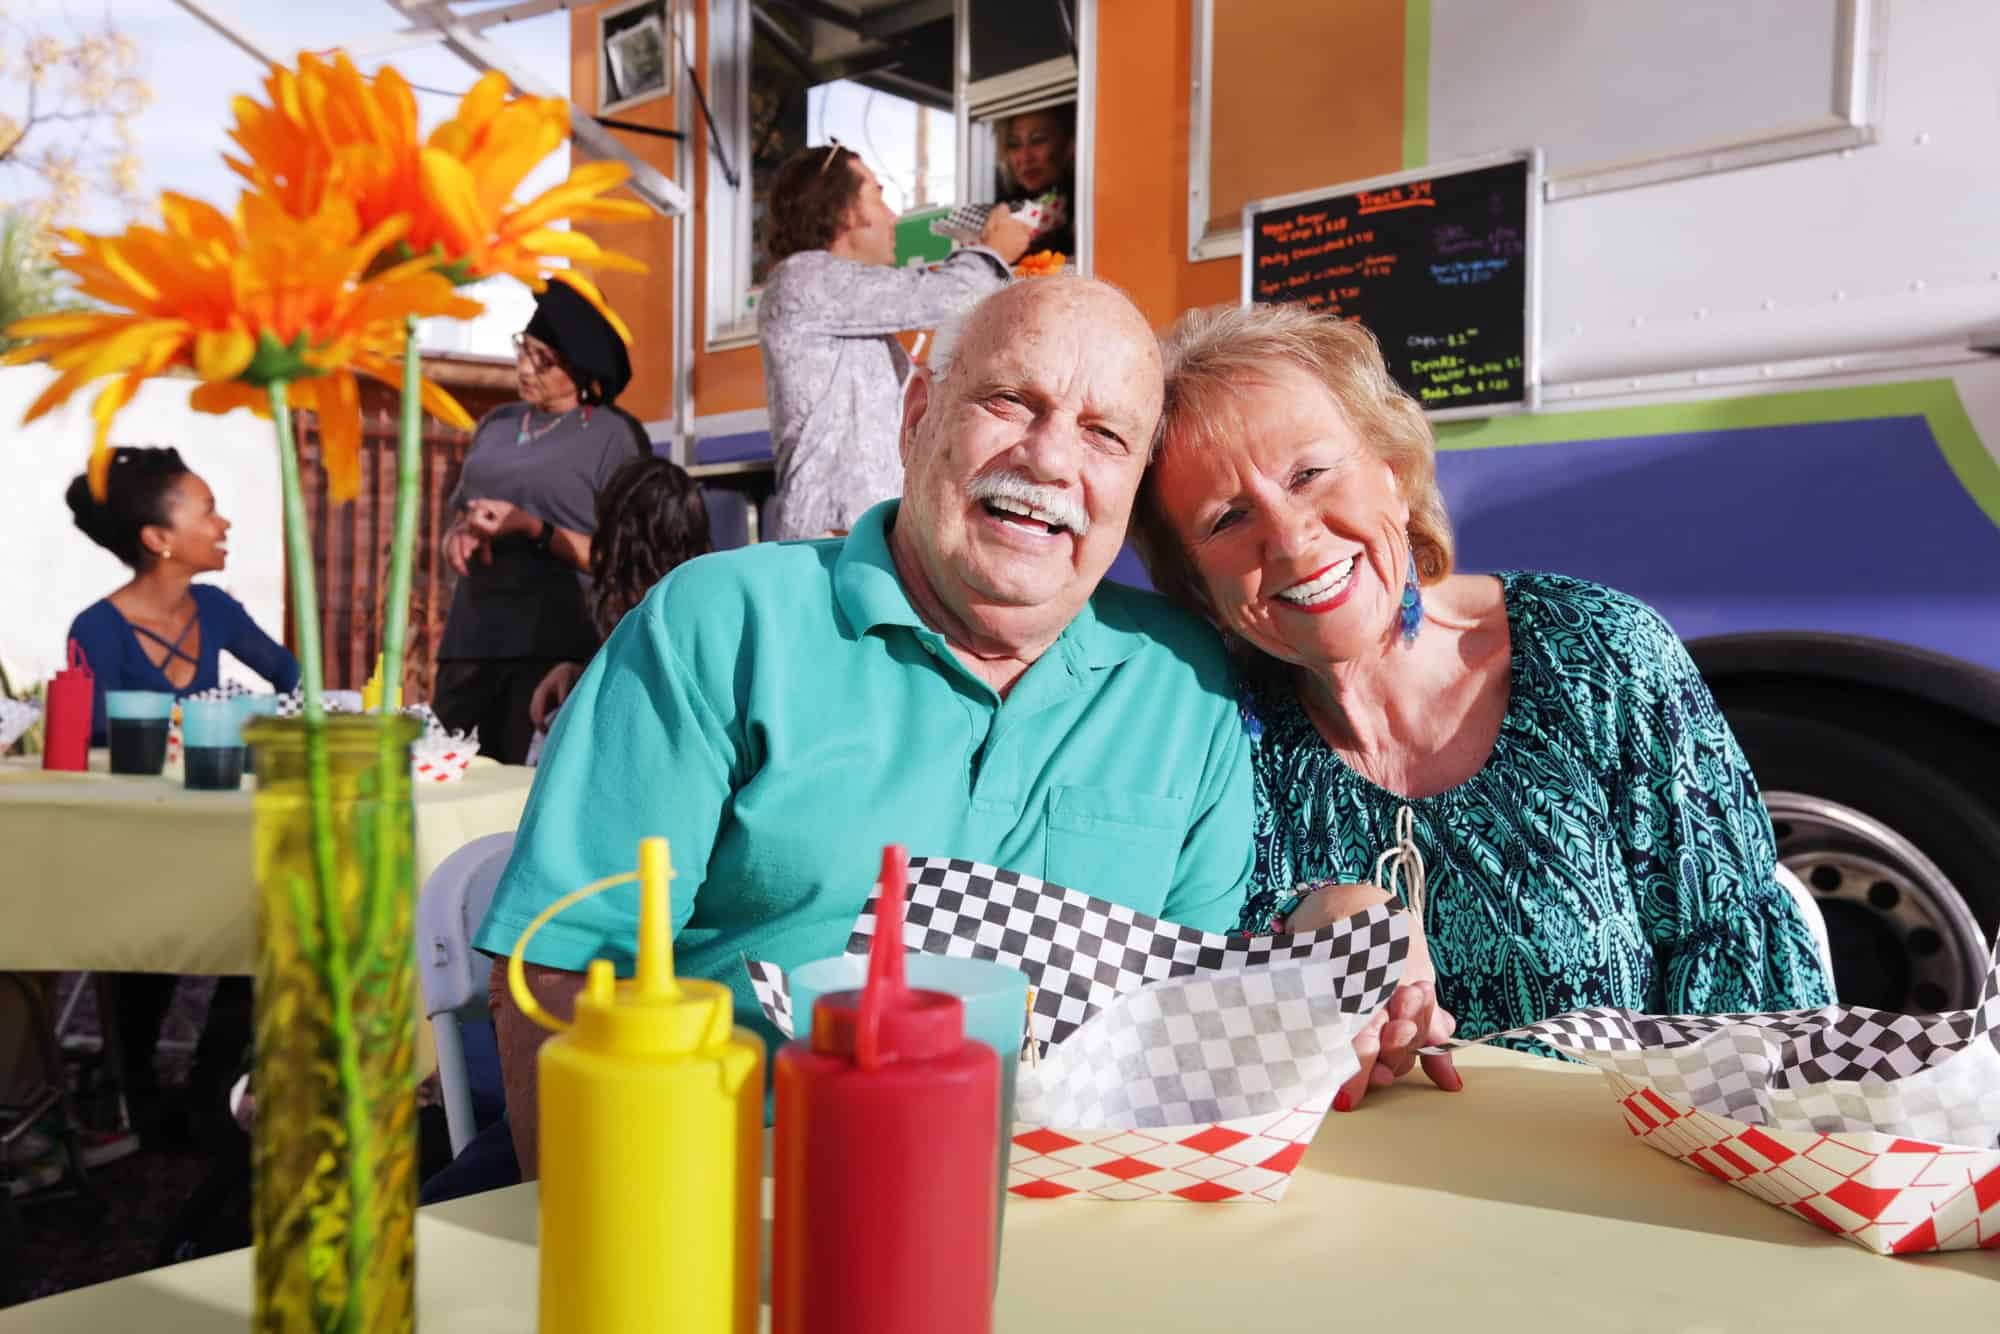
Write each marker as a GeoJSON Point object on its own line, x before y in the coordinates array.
{"type": "Point", "coordinates": [886, 988]}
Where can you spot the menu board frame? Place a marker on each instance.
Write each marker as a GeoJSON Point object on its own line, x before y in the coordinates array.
{"type": "Point", "coordinates": [1531, 313]}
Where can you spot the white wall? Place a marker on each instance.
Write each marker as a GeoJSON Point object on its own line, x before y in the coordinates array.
{"type": "Point", "coordinates": [1891, 245]}
{"type": "Point", "coordinates": [49, 571]}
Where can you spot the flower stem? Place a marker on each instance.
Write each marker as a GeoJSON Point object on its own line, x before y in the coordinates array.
{"type": "Point", "coordinates": [359, 1148]}
{"type": "Point", "coordinates": [409, 467]}
{"type": "Point", "coordinates": [395, 629]}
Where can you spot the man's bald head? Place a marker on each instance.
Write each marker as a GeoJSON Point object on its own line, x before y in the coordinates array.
{"type": "Point", "coordinates": [1019, 309]}
{"type": "Point", "coordinates": [1021, 459]}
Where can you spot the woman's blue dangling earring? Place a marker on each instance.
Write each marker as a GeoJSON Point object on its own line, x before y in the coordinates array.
{"type": "Point", "coordinates": [1413, 603]}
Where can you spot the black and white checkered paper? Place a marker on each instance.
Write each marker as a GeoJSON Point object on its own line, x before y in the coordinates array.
{"type": "Point", "coordinates": [291, 705]}
{"type": "Point", "coordinates": [1203, 1047]}
{"type": "Point", "coordinates": [1932, 1077]}
{"type": "Point", "coordinates": [1081, 953]}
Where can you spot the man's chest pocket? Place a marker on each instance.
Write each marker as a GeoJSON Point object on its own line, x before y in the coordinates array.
{"type": "Point", "coordinates": [1114, 844]}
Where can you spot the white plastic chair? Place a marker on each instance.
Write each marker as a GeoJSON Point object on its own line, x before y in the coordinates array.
{"type": "Point", "coordinates": [451, 973]}
{"type": "Point", "coordinates": [1809, 909]}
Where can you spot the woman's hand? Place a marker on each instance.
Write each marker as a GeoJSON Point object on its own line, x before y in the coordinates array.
{"type": "Point", "coordinates": [1388, 1046]}
{"type": "Point", "coordinates": [461, 544]}
{"type": "Point", "coordinates": [495, 519]}
{"type": "Point", "coordinates": [551, 691]}
{"type": "Point", "coordinates": [1005, 234]}
{"type": "Point", "coordinates": [1412, 1019]}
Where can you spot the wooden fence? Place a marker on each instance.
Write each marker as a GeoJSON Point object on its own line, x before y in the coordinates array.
{"type": "Point", "coordinates": [351, 544]}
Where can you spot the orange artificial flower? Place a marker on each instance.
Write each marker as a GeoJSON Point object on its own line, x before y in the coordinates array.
{"type": "Point", "coordinates": [243, 303]}
{"type": "Point", "coordinates": [331, 129]}
{"type": "Point", "coordinates": [1041, 264]}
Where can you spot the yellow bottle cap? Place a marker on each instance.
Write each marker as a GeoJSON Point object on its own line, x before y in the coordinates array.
{"type": "Point", "coordinates": [655, 1013]}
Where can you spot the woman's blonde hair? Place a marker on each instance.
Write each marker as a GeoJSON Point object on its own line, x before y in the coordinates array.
{"type": "Point", "coordinates": [1208, 353]}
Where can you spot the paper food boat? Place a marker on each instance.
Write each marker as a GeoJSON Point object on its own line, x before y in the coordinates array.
{"type": "Point", "coordinates": [1170, 1064]}
{"type": "Point", "coordinates": [1881, 1128]}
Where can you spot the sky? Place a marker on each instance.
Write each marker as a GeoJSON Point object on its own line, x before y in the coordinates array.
{"type": "Point", "coordinates": [194, 72]}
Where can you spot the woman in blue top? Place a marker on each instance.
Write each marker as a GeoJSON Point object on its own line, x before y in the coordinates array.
{"type": "Point", "coordinates": [1592, 832]}
{"type": "Point", "coordinates": [161, 630]}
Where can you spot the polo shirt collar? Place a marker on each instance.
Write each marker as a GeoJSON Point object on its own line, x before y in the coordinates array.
{"type": "Point", "coordinates": [870, 594]}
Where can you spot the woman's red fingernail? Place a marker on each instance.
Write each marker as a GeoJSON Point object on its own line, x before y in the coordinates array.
{"type": "Point", "coordinates": [1343, 1103]}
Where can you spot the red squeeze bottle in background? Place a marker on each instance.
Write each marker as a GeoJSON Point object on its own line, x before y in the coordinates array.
{"type": "Point", "coordinates": [66, 710]}
{"type": "Point", "coordinates": [886, 1155]}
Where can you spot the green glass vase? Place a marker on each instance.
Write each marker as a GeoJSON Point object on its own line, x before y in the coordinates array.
{"type": "Point", "coordinates": [334, 1144]}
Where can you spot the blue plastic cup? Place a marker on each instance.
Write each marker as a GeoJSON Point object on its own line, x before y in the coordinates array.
{"type": "Point", "coordinates": [136, 726]}
{"type": "Point", "coordinates": [996, 1013]}
{"type": "Point", "coordinates": [211, 745]}
{"type": "Point", "coordinates": [254, 706]}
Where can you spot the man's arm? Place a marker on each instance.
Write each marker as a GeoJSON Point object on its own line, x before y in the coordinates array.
{"type": "Point", "coordinates": [866, 300]}
{"type": "Point", "coordinates": [520, 1040]}
{"type": "Point", "coordinates": [1212, 876]}
{"type": "Point", "coordinates": [638, 750]}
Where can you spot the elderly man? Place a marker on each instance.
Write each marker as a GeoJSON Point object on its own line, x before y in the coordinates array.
{"type": "Point", "coordinates": [950, 676]}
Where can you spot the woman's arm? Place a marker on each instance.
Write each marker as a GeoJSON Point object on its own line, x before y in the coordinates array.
{"type": "Point", "coordinates": [1698, 844]}
{"type": "Point", "coordinates": [491, 520]}
{"type": "Point", "coordinates": [248, 644]}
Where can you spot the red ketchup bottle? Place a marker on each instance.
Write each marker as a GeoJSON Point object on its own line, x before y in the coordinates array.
{"type": "Point", "coordinates": [886, 1155]}
{"type": "Point", "coordinates": [66, 710]}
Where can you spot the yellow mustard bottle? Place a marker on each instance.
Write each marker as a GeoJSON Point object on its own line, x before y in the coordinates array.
{"type": "Point", "coordinates": [651, 1140]}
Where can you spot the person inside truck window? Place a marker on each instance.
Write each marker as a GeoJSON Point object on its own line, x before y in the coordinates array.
{"type": "Point", "coordinates": [827, 324]}
{"type": "Point", "coordinates": [1593, 834]}
{"type": "Point", "coordinates": [1038, 165]}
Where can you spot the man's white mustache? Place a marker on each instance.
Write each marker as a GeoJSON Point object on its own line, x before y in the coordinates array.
{"type": "Point", "coordinates": [1061, 505]}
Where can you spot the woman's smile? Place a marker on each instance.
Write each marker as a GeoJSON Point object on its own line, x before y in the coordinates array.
{"type": "Point", "coordinates": [1321, 591]}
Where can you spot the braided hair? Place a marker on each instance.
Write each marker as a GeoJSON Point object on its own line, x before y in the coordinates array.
{"type": "Point", "coordinates": [650, 518]}
{"type": "Point", "coordinates": [137, 497]}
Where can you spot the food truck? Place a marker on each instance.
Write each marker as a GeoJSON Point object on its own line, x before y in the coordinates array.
{"type": "Point", "coordinates": [1755, 377]}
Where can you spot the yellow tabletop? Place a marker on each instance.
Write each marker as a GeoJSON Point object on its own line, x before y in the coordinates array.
{"type": "Point", "coordinates": [110, 873]}
{"type": "Point", "coordinates": [1519, 1204]}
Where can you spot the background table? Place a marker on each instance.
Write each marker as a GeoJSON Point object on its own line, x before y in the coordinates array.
{"type": "Point", "coordinates": [1519, 1204]}
{"type": "Point", "coordinates": [109, 873]}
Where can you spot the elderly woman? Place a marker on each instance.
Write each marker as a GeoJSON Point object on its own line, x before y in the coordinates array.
{"type": "Point", "coordinates": [1593, 834]}
{"type": "Point", "coordinates": [526, 506]}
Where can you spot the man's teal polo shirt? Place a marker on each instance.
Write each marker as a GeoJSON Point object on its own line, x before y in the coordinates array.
{"type": "Point", "coordinates": [781, 712]}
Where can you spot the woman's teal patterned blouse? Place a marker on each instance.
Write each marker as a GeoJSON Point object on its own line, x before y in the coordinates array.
{"type": "Point", "coordinates": [1613, 850]}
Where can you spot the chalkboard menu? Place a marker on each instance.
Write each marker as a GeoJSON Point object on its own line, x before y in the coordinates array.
{"type": "Point", "coordinates": [1439, 264]}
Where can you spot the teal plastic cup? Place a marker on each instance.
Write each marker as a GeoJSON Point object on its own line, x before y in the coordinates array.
{"type": "Point", "coordinates": [135, 725]}
{"type": "Point", "coordinates": [996, 1013]}
{"type": "Point", "coordinates": [254, 706]}
{"type": "Point", "coordinates": [211, 745]}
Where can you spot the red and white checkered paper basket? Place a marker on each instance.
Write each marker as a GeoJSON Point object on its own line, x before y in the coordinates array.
{"type": "Point", "coordinates": [1245, 1161]}
{"type": "Point", "coordinates": [442, 766]}
{"type": "Point", "coordinates": [1890, 1195]}
{"type": "Point", "coordinates": [1882, 1128]}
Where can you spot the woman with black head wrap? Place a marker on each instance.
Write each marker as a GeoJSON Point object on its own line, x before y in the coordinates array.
{"type": "Point", "coordinates": [526, 504]}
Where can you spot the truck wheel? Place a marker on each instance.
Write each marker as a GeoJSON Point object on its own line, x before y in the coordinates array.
{"type": "Point", "coordinates": [1900, 853]}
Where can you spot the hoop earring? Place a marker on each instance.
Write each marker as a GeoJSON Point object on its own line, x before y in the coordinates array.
{"type": "Point", "coordinates": [1412, 613]}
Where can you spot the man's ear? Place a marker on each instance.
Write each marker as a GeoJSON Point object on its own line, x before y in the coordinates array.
{"type": "Point", "coordinates": [916, 402]}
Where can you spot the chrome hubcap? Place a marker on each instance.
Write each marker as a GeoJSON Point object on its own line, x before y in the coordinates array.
{"type": "Point", "coordinates": [1902, 937]}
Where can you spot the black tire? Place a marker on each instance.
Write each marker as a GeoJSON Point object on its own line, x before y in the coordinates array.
{"type": "Point", "coordinates": [1910, 768]}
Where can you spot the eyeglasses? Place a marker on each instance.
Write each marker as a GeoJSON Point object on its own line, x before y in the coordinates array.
{"type": "Point", "coordinates": [833, 147]}
{"type": "Point", "coordinates": [534, 353]}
